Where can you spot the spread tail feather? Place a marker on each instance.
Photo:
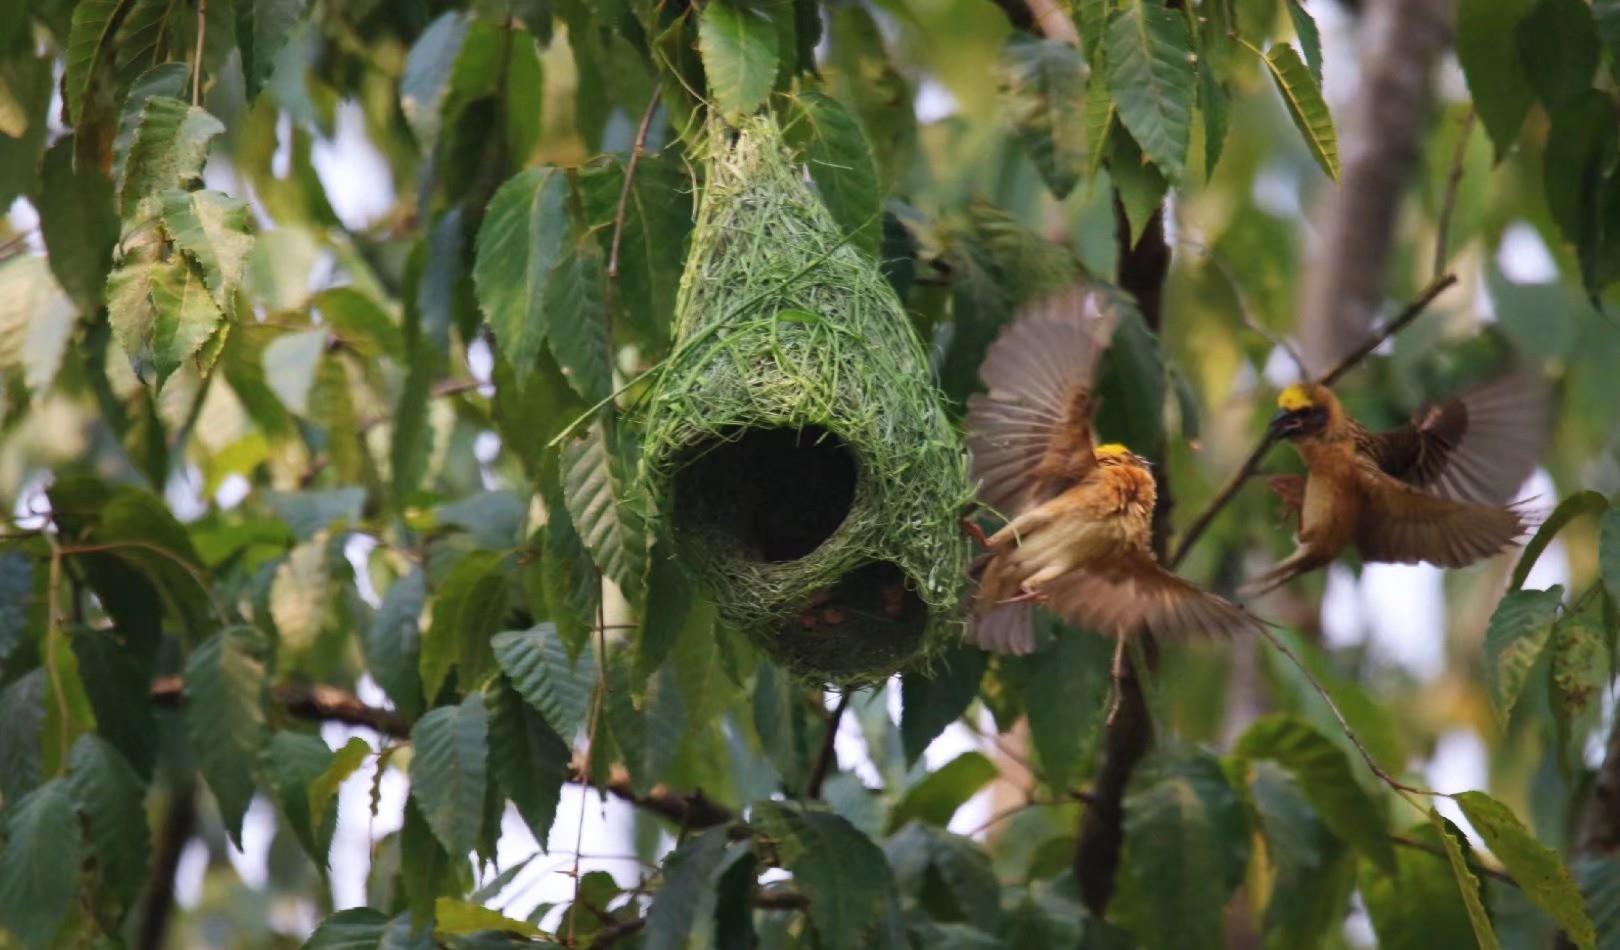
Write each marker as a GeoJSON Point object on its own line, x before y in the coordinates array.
{"type": "Point", "coordinates": [1007, 628]}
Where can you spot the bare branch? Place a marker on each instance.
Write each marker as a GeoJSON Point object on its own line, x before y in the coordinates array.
{"type": "Point", "coordinates": [629, 177]}
{"type": "Point", "coordinates": [828, 756]}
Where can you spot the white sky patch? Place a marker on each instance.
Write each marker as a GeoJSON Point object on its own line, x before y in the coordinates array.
{"type": "Point", "coordinates": [1281, 370]}
{"type": "Point", "coordinates": [1458, 765]}
{"type": "Point", "coordinates": [1552, 567]}
{"type": "Point", "coordinates": [25, 220]}
{"type": "Point", "coordinates": [1344, 623]}
{"type": "Point", "coordinates": [232, 489]}
{"type": "Point", "coordinates": [252, 860]}
{"type": "Point", "coordinates": [1406, 612]}
{"type": "Point", "coordinates": [189, 874]}
{"type": "Point", "coordinates": [1276, 190]}
{"type": "Point", "coordinates": [933, 101]}
{"type": "Point", "coordinates": [1523, 256]}
{"type": "Point", "coordinates": [357, 550]}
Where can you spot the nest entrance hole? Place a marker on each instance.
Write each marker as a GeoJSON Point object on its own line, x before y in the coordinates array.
{"type": "Point", "coordinates": [778, 493]}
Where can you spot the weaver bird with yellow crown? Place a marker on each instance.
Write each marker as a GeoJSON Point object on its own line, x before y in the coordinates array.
{"type": "Point", "coordinates": [1432, 490]}
{"type": "Point", "coordinates": [1078, 538]}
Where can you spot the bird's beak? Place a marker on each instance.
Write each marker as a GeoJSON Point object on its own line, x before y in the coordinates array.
{"type": "Point", "coordinates": [1281, 424]}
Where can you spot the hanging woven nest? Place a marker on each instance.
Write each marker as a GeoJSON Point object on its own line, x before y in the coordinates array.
{"type": "Point", "coordinates": [796, 445]}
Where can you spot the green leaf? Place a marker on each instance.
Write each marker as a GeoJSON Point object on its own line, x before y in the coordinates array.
{"type": "Point", "coordinates": [1043, 90]}
{"type": "Point", "coordinates": [933, 700]}
{"type": "Point", "coordinates": [428, 68]}
{"type": "Point", "coordinates": [212, 229]}
{"type": "Point", "coordinates": [1580, 145]}
{"type": "Point", "coordinates": [393, 643]}
{"type": "Point", "coordinates": [358, 928]}
{"type": "Point", "coordinates": [646, 725]}
{"type": "Point", "coordinates": [299, 597]}
{"type": "Point", "coordinates": [1579, 669]}
{"type": "Point", "coordinates": [1310, 40]}
{"type": "Point", "coordinates": [426, 872]}
{"type": "Point", "coordinates": [19, 609]}
{"type": "Point", "coordinates": [1488, 52]}
{"type": "Point", "coordinates": [225, 684]}
{"type": "Point", "coordinates": [1452, 840]}
{"type": "Point", "coordinates": [690, 874]}
{"type": "Point", "coordinates": [308, 513]}
{"type": "Point", "coordinates": [112, 798]}
{"type": "Point", "coordinates": [1559, 47]}
{"type": "Point", "coordinates": [1609, 554]}
{"type": "Point", "coordinates": [1303, 97]}
{"type": "Point", "coordinates": [1212, 102]}
{"type": "Point", "coordinates": [25, 93]}
{"type": "Point", "coordinates": [844, 875]}
{"type": "Point", "coordinates": [162, 315]}
{"type": "Point", "coordinates": [569, 580]}
{"type": "Point", "coordinates": [89, 45]}
{"type": "Point", "coordinates": [520, 243]}
{"type": "Point", "coordinates": [1147, 56]}
{"type": "Point", "coordinates": [323, 788]}
{"type": "Point", "coordinates": [652, 243]}
{"type": "Point", "coordinates": [529, 759]}
{"type": "Point", "coordinates": [493, 518]}
{"type": "Point", "coordinates": [1580, 503]}
{"type": "Point", "coordinates": [1421, 908]}
{"type": "Point", "coordinates": [1311, 871]}
{"type": "Point", "coordinates": [1323, 771]}
{"type": "Point", "coordinates": [149, 33]}
{"type": "Point", "coordinates": [22, 709]}
{"type": "Point", "coordinates": [291, 363]}
{"type": "Point", "coordinates": [449, 771]}
{"type": "Point", "coordinates": [293, 763]}
{"type": "Point", "coordinates": [739, 48]}
{"type": "Point", "coordinates": [840, 163]}
{"type": "Point", "coordinates": [79, 222]}
{"type": "Point", "coordinates": [263, 28]}
{"type": "Point", "coordinates": [594, 495]}
{"type": "Point", "coordinates": [168, 80]}
{"type": "Point", "coordinates": [452, 917]}
{"type": "Point", "coordinates": [1140, 184]}
{"type": "Point", "coordinates": [168, 151]}
{"type": "Point", "coordinates": [547, 678]}
{"type": "Point", "coordinates": [466, 614]}
{"type": "Point", "coordinates": [1131, 381]}
{"type": "Point", "coordinates": [39, 867]}
{"type": "Point", "coordinates": [37, 320]}
{"type": "Point", "coordinates": [937, 796]}
{"type": "Point", "coordinates": [669, 603]}
{"type": "Point", "coordinates": [946, 873]}
{"type": "Point", "coordinates": [1538, 870]}
{"type": "Point", "coordinates": [1187, 841]}
{"type": "Point", "coordinates": [1514, 638]}
{"type": "Point", "coordinates": [577, 320]}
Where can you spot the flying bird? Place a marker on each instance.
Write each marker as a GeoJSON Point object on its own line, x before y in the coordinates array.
{"type": "Point", "coordinates": [1078, 536]}
{"type": "Point", "coordinates": [1432, 490]}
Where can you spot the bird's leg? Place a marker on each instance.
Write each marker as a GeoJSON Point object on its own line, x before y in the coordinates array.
{"type": "Point", "coordinates": [1025, 595]}
{"type": "Point", "coordinates": [975, 532]}
{"type": "Point", "coordinates": [1116, 676]}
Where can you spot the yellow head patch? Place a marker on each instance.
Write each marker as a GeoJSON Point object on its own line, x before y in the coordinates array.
{"type": "Point", "coordinates": [1111, 450]}
{"type": "Point", "coordinates": [1295, 398]}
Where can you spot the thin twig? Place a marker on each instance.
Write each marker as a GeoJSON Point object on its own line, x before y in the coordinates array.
{"type": "Point", "coordinates": [196, 67]}
{"type": "Point", "coordinates": [1411, 312]}
{"type": "Point", "coordinates": [629, 177]}
{"type": "Point", "coordinates": [824, 761]}
{"type": "Point", "coordinates": [1442, 226]}
{"type": "Point", "coordinates": [599, 698]}
{"type": "Point", "coordinates": [1252, 462]}
{"type": "Point", "coordinates": [1344, 724]}
{"type": "Point", "coordinates": [1474, 865]}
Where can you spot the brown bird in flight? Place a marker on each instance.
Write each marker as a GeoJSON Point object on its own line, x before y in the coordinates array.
{"type": "Point", "coordinates": [1431, 490]}
{"type": "Point", "coordinates": [1078, 538]}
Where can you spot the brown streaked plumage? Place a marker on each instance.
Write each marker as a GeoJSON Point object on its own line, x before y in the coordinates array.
{"type": "Point", "coordinates": [1079, 529]}
{"type": "Point", "coordinates": [1432, 490]}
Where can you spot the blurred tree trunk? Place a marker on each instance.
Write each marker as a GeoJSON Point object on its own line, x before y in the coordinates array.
{"type": "Point", "coordinates": [1379, 136]}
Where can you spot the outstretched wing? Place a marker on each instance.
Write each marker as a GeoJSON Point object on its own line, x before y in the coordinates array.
{"type": "Point", "coordinates": [1477, 446]}
{"type": "Point", "coordinates": [1030, 434]}
{"type": "Point", "coordinates": [1405, 525]}
{"type": "Point", "coordinates": [1134, 594]}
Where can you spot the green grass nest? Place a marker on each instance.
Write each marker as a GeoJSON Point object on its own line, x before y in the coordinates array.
{"type": "Point", "coordinates": [796, 445]}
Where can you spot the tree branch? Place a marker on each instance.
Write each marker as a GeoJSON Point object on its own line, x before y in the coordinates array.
{"type": "Point", "coordinates": [157, 905]}
{"type": "Point", "coordinates": [828, 756]}
{"type": "Point", "coordinates": [629, 178]}
{"type": "Point", "coordinates": [320, 703]}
